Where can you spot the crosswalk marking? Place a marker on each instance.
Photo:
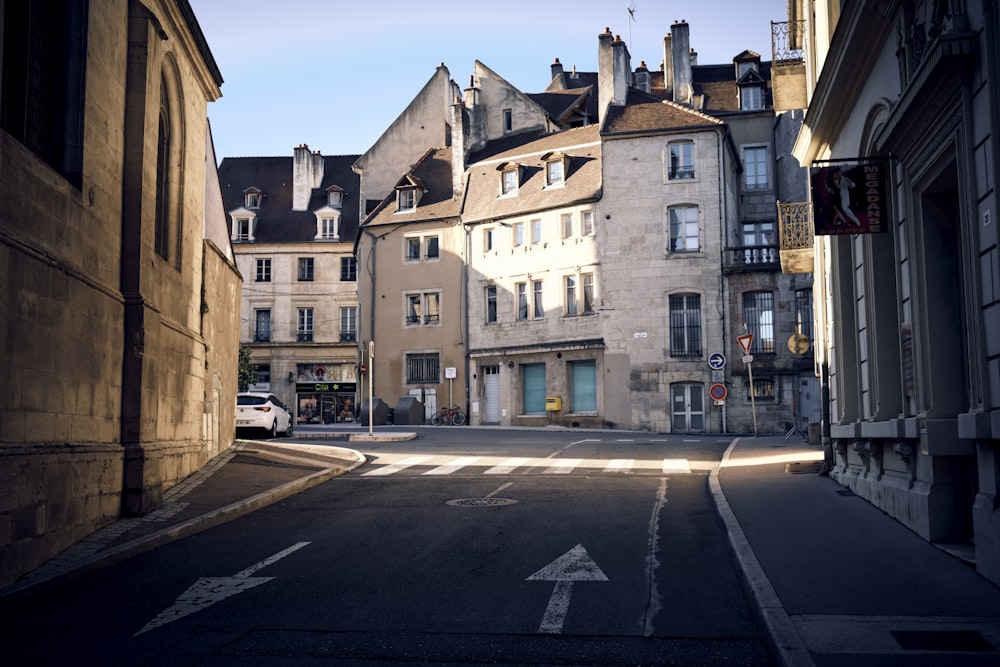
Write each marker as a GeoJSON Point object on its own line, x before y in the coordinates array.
{"type": "Point", "coordinates": [391, 463]}
{"type": "Point", "coordinates": [403, 464]}
{"type": "Point", "coordinates": [619, 465]}
{"type": "Point", "coordinates": [452, 466]}
{"type": "Point", "coordinates": [562, 466]}
{"type": "Point", "coordinates": [507, 467]}
{"type": "Point", "coordinates": [676, 465]}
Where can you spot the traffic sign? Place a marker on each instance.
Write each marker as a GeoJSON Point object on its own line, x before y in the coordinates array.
{"type": "Point", "coordinates": [717, 361]}
{"type": "Point", "coordinates": [718, 392]}
{"type": "Point", "coordinates": [744, 342]}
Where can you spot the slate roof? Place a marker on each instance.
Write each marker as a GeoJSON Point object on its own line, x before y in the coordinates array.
{"type": "Point", "coordinates": [582, 180]}
{"type": "Point", "coordinates": [276, 221]}
{"type": "Point", "coordinates": [644, 113]}
{"type": "Point", "coordinates": [432, 173]}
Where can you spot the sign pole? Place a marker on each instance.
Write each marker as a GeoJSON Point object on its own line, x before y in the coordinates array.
{"type": "Point", "coordinates": [745, 341]}
{"type": "Point", "coordinates": [371, 385]}
{"type": "Point", "coordinates": [753, 402]}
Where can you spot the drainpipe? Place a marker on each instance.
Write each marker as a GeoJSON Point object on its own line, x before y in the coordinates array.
{"type": "Point", "coordinates": [362, 347]}
{"type": "Point", "coordinates": [722, 256]}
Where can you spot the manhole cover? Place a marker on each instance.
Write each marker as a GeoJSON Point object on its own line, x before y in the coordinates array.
{"type": "Point", "coordinates": [801, 468]}
{"type": "Point", "coordinates": [481, 502]}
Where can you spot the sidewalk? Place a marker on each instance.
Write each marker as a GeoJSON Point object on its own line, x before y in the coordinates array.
{"type": "Point", "coordinates": [835, 580]}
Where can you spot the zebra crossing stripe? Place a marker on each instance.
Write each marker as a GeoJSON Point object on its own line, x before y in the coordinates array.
{"type": "Point", "coordinates": [676, 465]}
{"type": "Point", "coordinates": [562, 466]}
{"type": "Point", "coordinates": [619, 465]}
{"type": "Point", "coordinates": [393, 468]}
{"type": "Point", "coordinates": [507, 467]}
{"type": "Point", "coordinates": [453, 465]}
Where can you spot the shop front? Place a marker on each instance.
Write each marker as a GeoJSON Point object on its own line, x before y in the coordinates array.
{"type": "Point", "coordinates": [325, 402]}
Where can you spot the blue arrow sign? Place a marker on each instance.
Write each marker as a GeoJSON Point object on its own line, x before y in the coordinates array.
{"type": "Point", "coordinates": [717, 361]}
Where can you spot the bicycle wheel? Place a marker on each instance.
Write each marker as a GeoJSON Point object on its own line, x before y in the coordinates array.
{"type": "Point", "coordinates": [437, 419]}
{"type": "Point", "coordinates": [458, 418]}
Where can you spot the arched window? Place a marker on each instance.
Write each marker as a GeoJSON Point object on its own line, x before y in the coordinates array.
{"type": "Point", "coordinates": [161, 233]}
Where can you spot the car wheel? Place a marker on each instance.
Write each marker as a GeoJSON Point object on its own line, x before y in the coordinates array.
{"type": "Point", "coordinates": [291, 427]}
{"type": "Point", "coordinates": [274, 429]}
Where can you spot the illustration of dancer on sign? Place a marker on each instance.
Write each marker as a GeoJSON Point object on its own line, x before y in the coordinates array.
{"type": "Point", "coordinates": [848, 198]}
{"type": "Point", "coordinates": [839, 186]}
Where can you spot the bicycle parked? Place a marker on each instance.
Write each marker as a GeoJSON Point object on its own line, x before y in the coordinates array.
{"type": "Point", "coordinates": [452, 415]}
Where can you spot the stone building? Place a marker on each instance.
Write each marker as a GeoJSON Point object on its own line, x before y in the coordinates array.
{"type": "Point", "coordinates": [120, 308]}
{"type": "Point", "coordinates": [293, 222]}
{"type": "Point", "coordinates": [908, 337]}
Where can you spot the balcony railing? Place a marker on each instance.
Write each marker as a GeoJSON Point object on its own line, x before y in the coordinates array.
{"type": "Point", "coordinates": [753, 258]}
{"type": "Point", "coordinates": [788, 43]}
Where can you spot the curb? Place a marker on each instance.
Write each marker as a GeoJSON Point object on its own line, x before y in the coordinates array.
{"type": "Point", "coordinates": [781, 635]}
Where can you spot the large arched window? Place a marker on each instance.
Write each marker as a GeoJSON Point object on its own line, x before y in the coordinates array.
{"type": "Point", "coordinates": [161, 233]}
{"type": "Point", "coordinates": [167, 223]}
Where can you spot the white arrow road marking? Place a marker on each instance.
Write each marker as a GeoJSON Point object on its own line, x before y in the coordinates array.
{"type": "Point", "coordinates": [208, 590]}
{"type": "Point", "coordinates": [574, 565]}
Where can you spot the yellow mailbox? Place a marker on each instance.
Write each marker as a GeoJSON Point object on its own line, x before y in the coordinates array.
{"type": "Point", "coordinates": [553, 404]}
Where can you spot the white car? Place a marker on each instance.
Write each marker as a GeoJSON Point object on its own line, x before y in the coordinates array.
{"type": "Point", "coordinates": [260, 410]}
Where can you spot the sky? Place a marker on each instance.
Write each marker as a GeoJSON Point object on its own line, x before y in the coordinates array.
{"type": "Point", "coordinates": [335, 74]}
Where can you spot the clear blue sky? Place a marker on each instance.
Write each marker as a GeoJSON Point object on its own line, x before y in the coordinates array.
{"type": "Point", "coordinates": [334, 74]}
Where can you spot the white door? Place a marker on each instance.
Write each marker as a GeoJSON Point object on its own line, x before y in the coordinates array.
{"type": "Point", "coordinates": [491, 396]}
{"type": "Point", "coordinates": [429, 399]}
{"type": "Point", "coordinates": [687, 410]}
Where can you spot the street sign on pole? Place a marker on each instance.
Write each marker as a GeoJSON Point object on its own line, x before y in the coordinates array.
{"type": "Point", "coordinates": [717, 361]}
{"type": "Point", "coordinates": [745, 340]}
{"type": "Point", "coordinates": [718, 392]}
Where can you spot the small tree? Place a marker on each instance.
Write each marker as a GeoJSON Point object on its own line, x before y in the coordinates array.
{"type": "Point", "coordinates": [246, 371]}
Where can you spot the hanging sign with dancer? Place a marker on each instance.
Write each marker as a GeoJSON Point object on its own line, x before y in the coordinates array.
{"type": "Point", "coordinates": [850, 196]}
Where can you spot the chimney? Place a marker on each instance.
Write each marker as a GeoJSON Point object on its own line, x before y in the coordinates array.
{"type": "Point", "coordinates": [613, 73]}
{"type": "Point", "coordinates": [557, 69]}
{"type": "Point", "coordinates": [680, 43]}
{"type": "Point", "coordinates": [307, 174]}
{"type": "Point", "coordinates": [668, 65]}
{"type": "Point", "coordinates": [459, 146]}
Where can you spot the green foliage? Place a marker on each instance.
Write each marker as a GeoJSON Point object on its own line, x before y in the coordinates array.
{"type": "Point", "coordinates": [246, 371]}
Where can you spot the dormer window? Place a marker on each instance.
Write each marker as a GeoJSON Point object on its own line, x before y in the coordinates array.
{"type": "Point", "coordinates": [251, 198]}
{"type": "Point", "coordinates": [751, 98]}
{"type": "Point", "coordinates": [555, 169]}
{"type": "Point", "coordinates": [749, 82]}
{"type": "Point", "coordinates": [510, 177]}
{"type": "Point", "coordinates": [406, 199]}
{"type": "Point", "coordinates": [328, 228]}
{"type": "Point", "coordinates": [334, 196]}
{"type": "Point", "coordinates": [243, 229]}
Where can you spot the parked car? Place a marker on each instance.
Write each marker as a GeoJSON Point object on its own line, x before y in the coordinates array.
{"type": "Point", "coordinates": [260, 410]}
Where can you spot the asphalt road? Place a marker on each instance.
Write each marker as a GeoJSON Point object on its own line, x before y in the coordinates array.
{"type": "Point", "coordinates": [463, 547]}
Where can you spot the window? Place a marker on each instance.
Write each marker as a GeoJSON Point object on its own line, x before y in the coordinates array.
{"type": "Point", "coordinates": [328, 228]}
{"type": "Point", "coordinates": [348, 324]}
{"type": "Point", "coordinates": [262, 374]}
{"type": "Point", "coordinates": [242, 229]}
{"type": "Point", "coordinates": [262, 325]}
{"type": "Point", "coordinates": [251, 198]}
{"type": "Point", "coordinates": [681, 160]}
{"type": "Point", "coordinates": [588, 293]}
{"type": "Point", "coordinates": [304, 332]}
{"type": "Point", "coordinates": [423, 308]}
{"type": "Point", "coordinates": [683, 228]}
{"type": "Point", "coordinates": [263, 270]}
{"type": "Point", "coordinates": [536, 231]}
{"type": "Point", "coordinates": [412, 249]}
{"type": "Point", "coordinates": [517, 233]}
{"type": "Point", "coordinates": [423, 368]}
{"type": "Point", "coordinates": [587, 223]}
{"type": "Point", "coordinates": [751, 98]}
{"type": "Point", "coordinates": [755, 168]}
{"type": "Point", "coordinates": [571, 305]}
{"type": "Point", "coordinates": [759, 234]}
{"type": "Point", "coordinates": [508, 121]}
{"type": "Point", "coordinates": [508, 181]}
{"type": "Point", "coordinates": [522, 301]}
{"type": "Point", "coordinates": [406, 200]}
{"type": "Point", "coordinates": [583, 386]}
{"type": "Point", "coordinates": [539, 311]}
{"type": "Point", "coordinates": [491, 304]}
{"type": "Point", "coordinates": [758, 318]}
{"type": "Point", "coordinates": [335, 197]}
{"type": "Point", "coordinates": [553, 173]}
{"type": "Point", "coordinates": [433, 251]}
{"type": "Point", "coordinates": [306, 269]}
{"type": "Point", "coordinates": [43, 50]}
{"type": "Point", "coordinates": [488, 238]}
{"type": "Point", "coordinates": [763, 389]}
{"type": "Point", "coordinates": [685, 325]}
{"type": "Point", "coordinates": [533, 384]}
{"type": "Point", "coordinates": [164, 148]}
{"type": "Point", "coordinates": [566, 225]}
{"type": "Point", "coordinates": [348, 269]}
{"type": "Point", "coordinates": [804, 313]}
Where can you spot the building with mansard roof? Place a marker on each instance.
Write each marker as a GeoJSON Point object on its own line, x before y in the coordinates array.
{"type": "Point", "coordinates": [293, 222]}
